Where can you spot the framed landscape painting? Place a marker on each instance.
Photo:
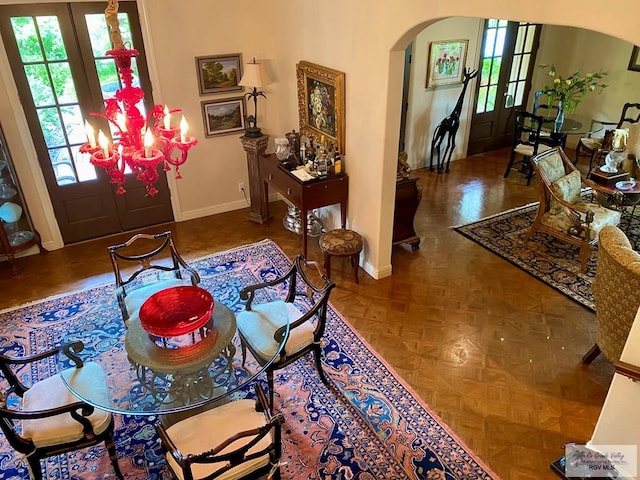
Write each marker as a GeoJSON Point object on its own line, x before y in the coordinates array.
{"type": "Point", "coordinates": [223, 116]}
{"type": "Point", "coordinates": [321, 103]}
{"type": "Point", "coordinates": [446, 62]}
{"type": "Point", "coordinates": [220, 73]}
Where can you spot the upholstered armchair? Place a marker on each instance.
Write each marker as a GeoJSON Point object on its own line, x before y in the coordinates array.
{"type": "Point", "coordinates": [144, 265]}
{"type": "Point", "coordinates": [616, 291]}
{"type": "Point", "coordinates": [563, 212]}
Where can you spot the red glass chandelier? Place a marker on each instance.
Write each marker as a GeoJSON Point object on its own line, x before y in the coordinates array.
{"type": "Point", "coordinates": [143, 143]}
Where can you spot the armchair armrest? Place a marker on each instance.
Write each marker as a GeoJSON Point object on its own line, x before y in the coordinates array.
{"type": "Point", "coordinates": [70, 349]}
{"type": "Point", "coordinates": [248, 293]}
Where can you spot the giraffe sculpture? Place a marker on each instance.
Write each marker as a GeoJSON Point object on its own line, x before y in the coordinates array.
{"type": "Point", "coordinates": [448, 129]}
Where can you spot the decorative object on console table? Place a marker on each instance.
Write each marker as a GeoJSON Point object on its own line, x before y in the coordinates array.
{"type": "Point", "coordinates": [16, 230]}
{"type": "Point", "coordinates": [255, 76]}
{"type": "Point", "coordinates": [408, 196]}
{"type": "Point", "coordinates": [255, 148]}
{"type": "Point", "coordinates": [304, 195]}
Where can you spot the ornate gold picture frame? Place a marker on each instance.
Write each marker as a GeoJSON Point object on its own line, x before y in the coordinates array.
{"type": "Point", "coordinates": [321, 103]}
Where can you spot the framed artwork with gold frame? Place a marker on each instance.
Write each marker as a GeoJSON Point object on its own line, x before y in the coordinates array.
{"type": "Point", "coordinates": [321, 103]}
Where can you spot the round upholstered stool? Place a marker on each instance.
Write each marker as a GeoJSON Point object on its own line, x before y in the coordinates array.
{"type": "Point", "coordinates": [341, 243]}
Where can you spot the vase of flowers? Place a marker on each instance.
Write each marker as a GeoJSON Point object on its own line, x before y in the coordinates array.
{"type": "Point", "coordinates": [568, 92]}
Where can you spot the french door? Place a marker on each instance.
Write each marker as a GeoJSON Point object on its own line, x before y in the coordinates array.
{"type": "Point", "coordinates": [57, 56]}
{"type": "Point", "coordinates": [507, 62]}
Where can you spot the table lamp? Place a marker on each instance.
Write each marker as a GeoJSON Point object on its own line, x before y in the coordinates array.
{"type": "Point", "coordinates": [254, 76]}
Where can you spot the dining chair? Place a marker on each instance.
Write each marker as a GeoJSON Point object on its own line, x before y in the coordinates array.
{"type": "Point", "coordinates": [238, 440]}
{"type": "Point", "coordinates": [526, 143]}
{"type": "Point", "coordinates": [45, 418]}
{"type": "Point", "coordinates": [262, 326]}
{"type": "Point", "coordinates": [616, 293]}
{"type": "Point", "coordinates": [144, 265]}
{"type": "Point", "coordinates": [629, 118]}
{"type": "Point", "coordinates": [598, 130]}
{"type": "Point", "coordinates": [548, 111]}
{"type": "Point", "coordinates": [563, 212]}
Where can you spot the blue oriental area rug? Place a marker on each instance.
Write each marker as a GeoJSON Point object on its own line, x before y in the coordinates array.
{"type": "Point", "coordinates": [545, 257]}
{"type": "Point", "coordinates": [367, 426]}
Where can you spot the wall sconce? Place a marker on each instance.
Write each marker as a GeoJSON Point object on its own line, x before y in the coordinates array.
{"type": "Point", "coordinates": [254, 76]}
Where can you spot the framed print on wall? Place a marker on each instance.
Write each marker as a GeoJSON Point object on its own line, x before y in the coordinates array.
{"type": "Point", "coordinates": [446, 62]}
{"type": "Point", "coordinates": [634, 61]}
{"type": "Point", "coordinates": [219, 73]}
{"type": "Point", "coordinates": [223, 116]}
{"type": "Point", "coordinates": [321, 103]}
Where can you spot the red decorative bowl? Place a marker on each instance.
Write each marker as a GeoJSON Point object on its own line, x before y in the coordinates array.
{"type": "Point", "coordinates": [176, 311]}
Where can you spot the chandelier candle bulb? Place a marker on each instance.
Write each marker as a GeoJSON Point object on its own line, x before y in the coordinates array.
{"type": "Point", "coordinates": [183, 130]}
{"type": "Point", "coordinates": [91, 134]}
{"type": "Point", "coordinates": [148, 143]}
{"type": "Point", "coordinates": [167, 118]}
{"type": "Point", "coordinates": [104, 144]}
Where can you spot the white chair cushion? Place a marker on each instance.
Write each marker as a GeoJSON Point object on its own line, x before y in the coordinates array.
{"type": "Point", "coordinates": [527, 150]}
{"type": "Point", "coordinates": [52, 393]}
{"type": "Point", "coordinates": [591, 143]}
{"type": "Point", "coordinates": [209, 429]}
{"type": "Point", "coordinates": [135, 298]}
{"type": "Point", "coordinates": [259, 324]}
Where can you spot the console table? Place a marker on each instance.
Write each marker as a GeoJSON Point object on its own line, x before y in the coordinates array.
{"type": "Point", "coordinates": [303, 195]}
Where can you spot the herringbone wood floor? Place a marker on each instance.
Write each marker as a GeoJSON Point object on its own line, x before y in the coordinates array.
{"type": "Point", "coordinates": [493, 351]}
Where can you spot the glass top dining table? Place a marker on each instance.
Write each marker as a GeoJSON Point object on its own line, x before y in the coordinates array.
{"type": "Point", "coordinates": [147, 376]}
{"type": "Point", "coordinates": [572, 125]}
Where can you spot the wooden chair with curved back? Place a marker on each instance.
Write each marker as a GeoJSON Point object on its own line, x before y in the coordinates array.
{"type": "Point", "coordinates": [238, 440]}
{"type": "Point", "coordinates": [144, 265]}
{"type": "Point", "coordinates": [262, 326]}
{"type": "Point", "coordinates": [46, 419]}
{"type": "Point", "coordinates": [563, 212]}
{"type": "Point", "coordinates": [597, 148]}
{"type": "Point", "coordinates": [526, 143]}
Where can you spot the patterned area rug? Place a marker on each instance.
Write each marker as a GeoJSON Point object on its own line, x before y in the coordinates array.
{"type": "Point", "coordinates": [546, 258]}
{"type": "Point", "coordinates": [368, 426]}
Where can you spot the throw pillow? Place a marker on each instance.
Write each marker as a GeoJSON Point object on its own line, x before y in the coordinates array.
{"type": "Point", "coordinates": [566, 188]}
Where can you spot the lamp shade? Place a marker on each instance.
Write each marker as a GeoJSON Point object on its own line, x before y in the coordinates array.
{"type": "Point", "coordinates": [254, 75]}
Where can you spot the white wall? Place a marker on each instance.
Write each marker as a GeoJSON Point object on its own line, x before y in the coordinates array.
{"type": "Point", "coordinates": [589, 51]}
{"type": "Point", "coordinates": [364, 39]}
{"type": "Point", "coordinates": [429, 106]}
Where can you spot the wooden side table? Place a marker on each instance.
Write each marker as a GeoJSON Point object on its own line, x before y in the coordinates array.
{"type": "Point", "coordinates": [408, 196]}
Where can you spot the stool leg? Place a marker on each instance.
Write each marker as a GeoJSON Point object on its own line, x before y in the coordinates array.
{"type": "Point", "coordinates": [355, 263]}
{"type": "Point", "coordinates": [327, 264]}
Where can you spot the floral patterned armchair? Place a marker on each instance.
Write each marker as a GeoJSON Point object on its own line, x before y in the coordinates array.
{"type": "Point", "coordinates": [563, 212]}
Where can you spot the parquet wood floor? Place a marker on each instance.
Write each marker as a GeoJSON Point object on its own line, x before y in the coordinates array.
{"type": "Point", "coordinates": [493, 351]}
